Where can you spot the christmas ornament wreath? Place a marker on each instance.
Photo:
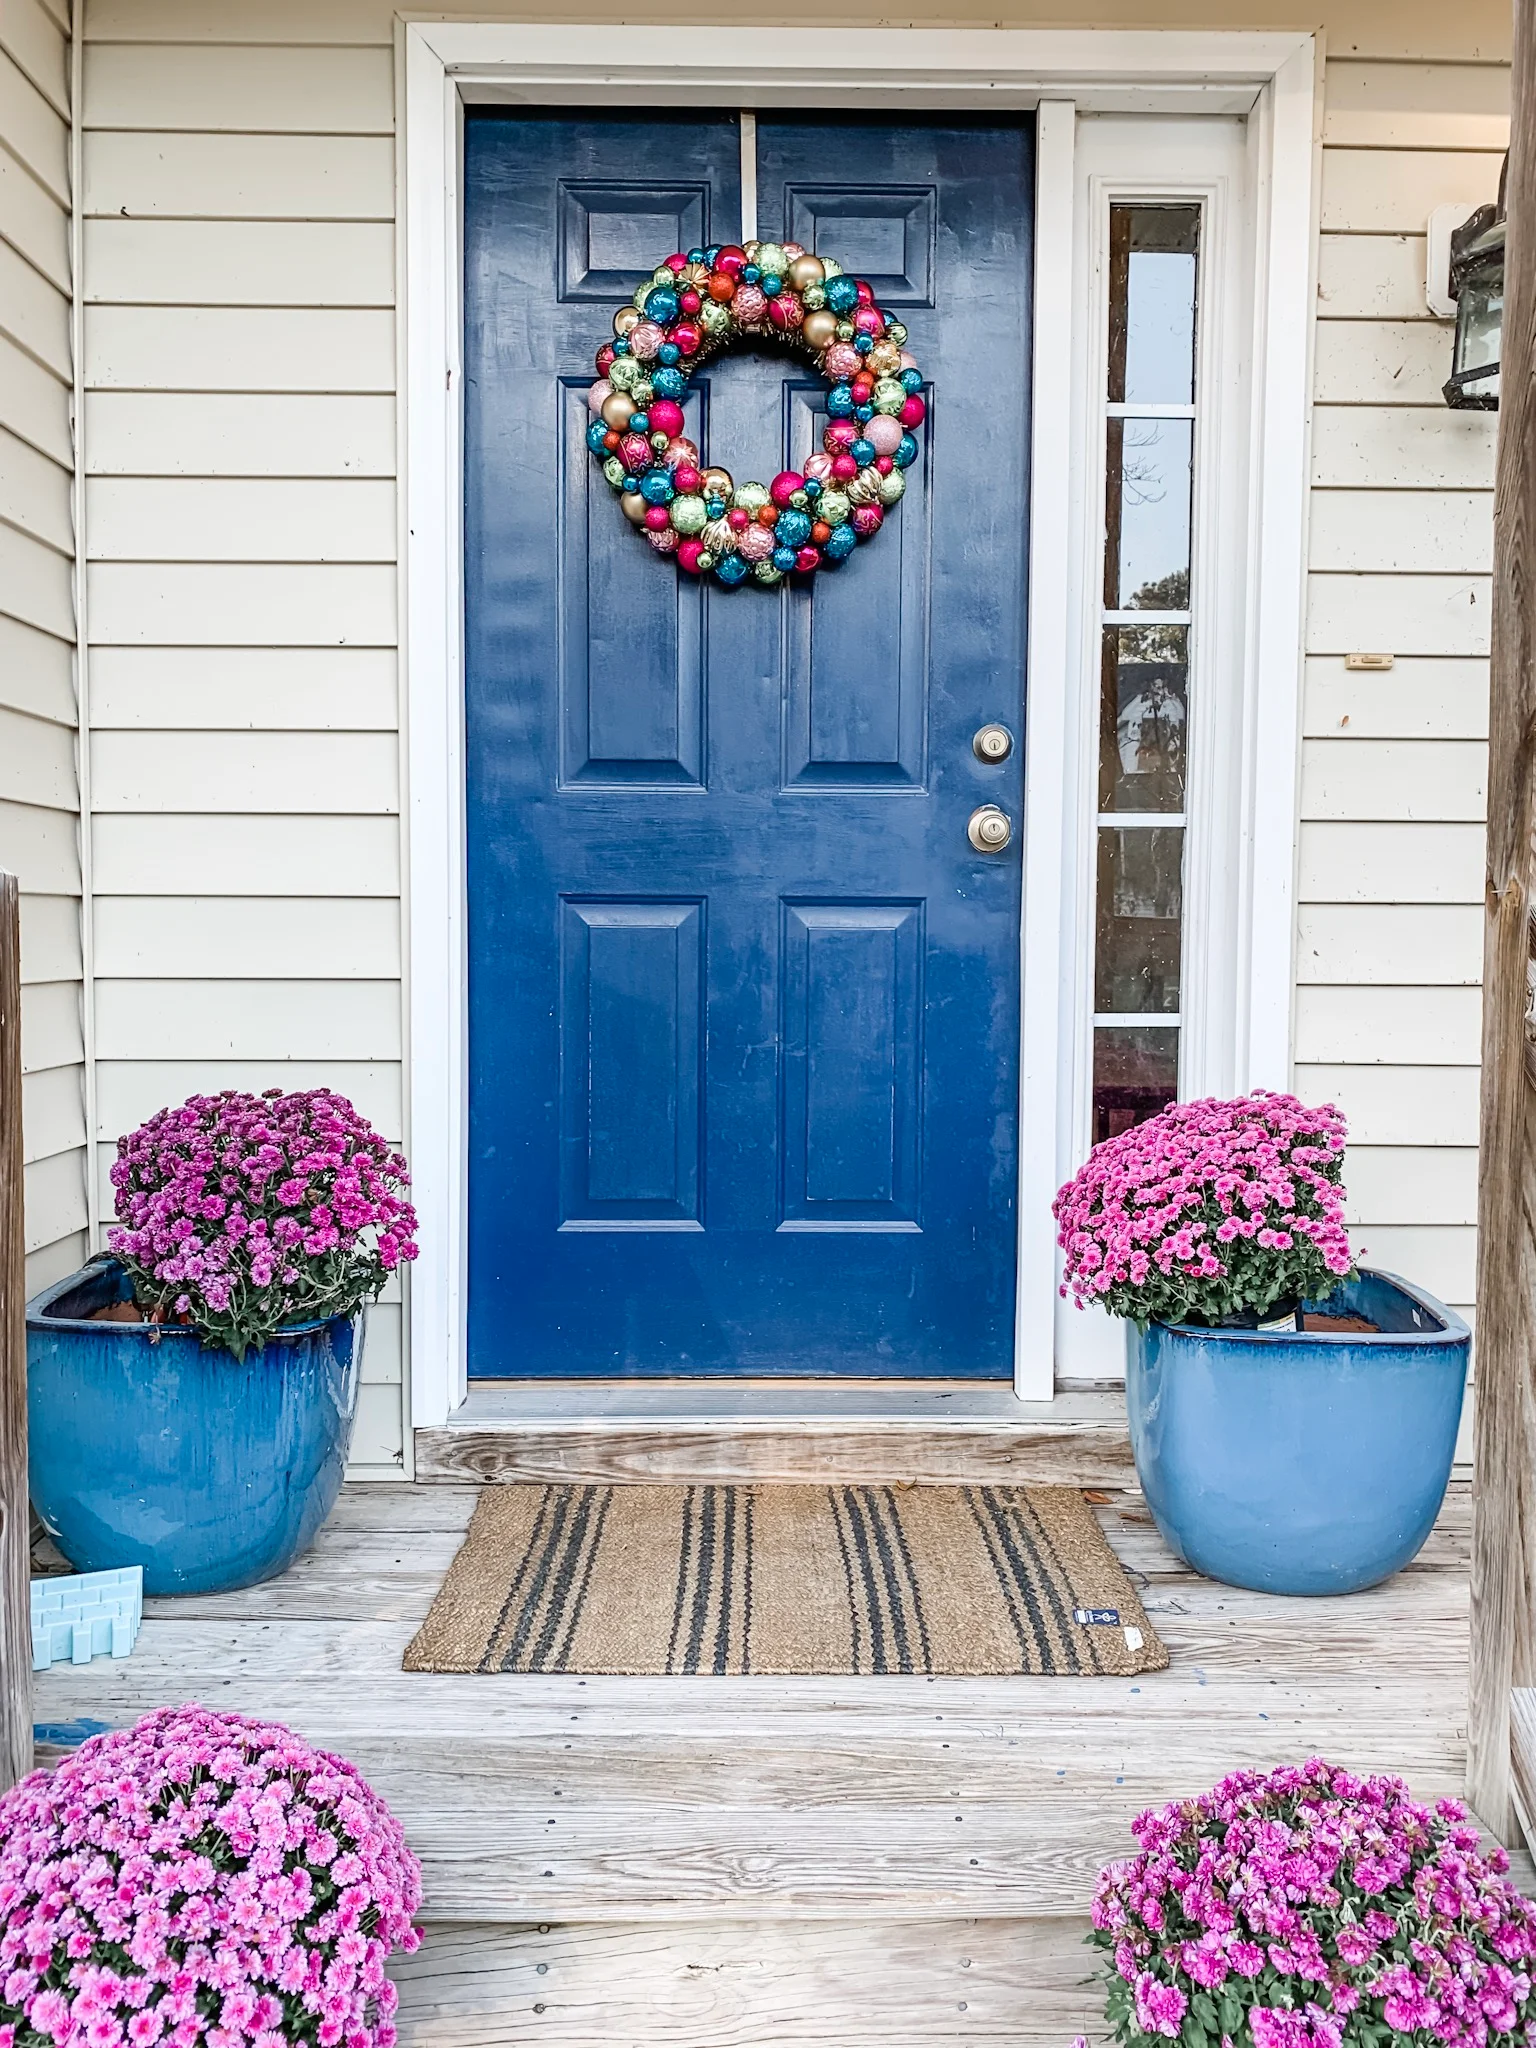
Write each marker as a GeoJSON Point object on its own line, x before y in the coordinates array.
{"type": "Point", "coordinates": [694, 307]}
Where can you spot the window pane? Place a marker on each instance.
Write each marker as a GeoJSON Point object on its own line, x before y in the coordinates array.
{"type": "Point", "coordinates": [1152, 287]}
{"type": "Point", "coordinates": [1146, 515]}
{"type": "Point", "coordinates": [1135, 1074]}
{"type": "Point", "coordinates": [1143, 701]}
{"type": "Point", "coordinates": [1140, 900]}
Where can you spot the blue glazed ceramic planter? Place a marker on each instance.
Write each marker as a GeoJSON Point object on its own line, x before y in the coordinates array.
{"type": "Point", "coordinates": [1300, 1462]}
{"type": "Point", "coordinates": [146, 1448]}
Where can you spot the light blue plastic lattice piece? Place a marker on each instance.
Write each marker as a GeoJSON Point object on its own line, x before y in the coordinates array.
{"type": "Point", "coordinates": [75, 1619]}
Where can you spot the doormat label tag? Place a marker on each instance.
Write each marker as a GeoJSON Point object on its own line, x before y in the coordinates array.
{"type": "Point", "coordinates": [1105, 1617]}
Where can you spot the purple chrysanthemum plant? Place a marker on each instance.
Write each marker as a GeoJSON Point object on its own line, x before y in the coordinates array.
{"type": "Point", "coordinates": [200, 1881]}
{"type": "Point", "coordinates": [1207, 1210]}
{"type": "Point", "coordinates": [239, 1214]}
{"type": "Point", "coordinates": [1309, 1908]}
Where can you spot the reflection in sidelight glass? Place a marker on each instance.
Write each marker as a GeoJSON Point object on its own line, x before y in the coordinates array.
{"type": "Point", "coordinates": [1153, 254]}
{"type": "Point", "coordinates": [1147, 514]}
{"type": "Point", "coordinates": [1144, 688]}
{"type": "Point", "coordinates": [1141, 887]}
{"type": "Point", "coordinates": [1135, 1074]}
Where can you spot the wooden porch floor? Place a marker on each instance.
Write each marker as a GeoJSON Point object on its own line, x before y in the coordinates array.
{"type": "Point", "coordinates": [813, 1861]}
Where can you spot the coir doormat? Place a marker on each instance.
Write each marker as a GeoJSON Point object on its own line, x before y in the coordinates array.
{"type": "Point", "coordinates": [963, 1581]}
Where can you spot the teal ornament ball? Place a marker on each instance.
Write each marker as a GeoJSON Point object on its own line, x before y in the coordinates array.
{"type": "Point", "coordinates": [842, 294]}
{"type": "Point", "coordinates": [666, 383]}
{"type": "Point", "coordinates": [783, 558]}
{"type": "Point", "coordinates": [793, 531]}
{"type": "Point", "coordinates": [656, 487]}
{"type": "Point", "coordinates": [732, 570]}
{"type": "Point", "coordinates": [906, 451]}
{"type": "Point", "coordinates": [840, 543]}
{"type": "Point", "coordinates": [661, 305]}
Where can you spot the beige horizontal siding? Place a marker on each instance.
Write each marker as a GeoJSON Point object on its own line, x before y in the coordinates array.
{"type": "Point", "coordinates": [245, 519]}
{"type": "Point", "coordinates": [1389, 925]}
{"type": "Point", "coordinates": [259, 689]}
{"type": "Point", "coordinates": [244, 348]}
{"type": "Point", "coordinates": [203, 434]}
{"type": "Point", "coordinates": [39, 790]}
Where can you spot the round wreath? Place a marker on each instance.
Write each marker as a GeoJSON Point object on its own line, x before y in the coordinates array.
{"type": "Point", "coordinates": [692, 308]}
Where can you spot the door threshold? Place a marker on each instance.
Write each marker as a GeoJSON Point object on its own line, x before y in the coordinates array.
{"type": "Point", "coordinates": [726, 1432]}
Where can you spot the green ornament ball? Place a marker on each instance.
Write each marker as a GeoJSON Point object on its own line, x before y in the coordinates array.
{"type": "Point", "coordinates": [771, 260]}
{"type": "Point", "coordinates": [613, 469]}
{"type": "Point", "coordinates": [713, 318]}
{"type": "Point", "coordinates": [892, 487]}
{"type": "Point", "coordinates": [814, 297]}
{"type": "Point", "coordinates": [897, 333]}
{"type": "Point", "coordinates": [766, 574]}
{"type": "Point", "coordinates": [834, 507]}
{"type": "Point", "coordinates": [890, 395]}
{"type": "Point", "coordinates": [624, 373]}
{"type": "Point", "coordinates": [662, 275]}
{"type": "Point", "coordinates": [688, 514]}
{"type": "Point", "coordinates": [845, 330]}
{"type": "Point", "coordinates": [799, 499]}
{"type": "Point", "coordinates": [751, 497]}
{"type": "Point", "coordinates": [829, 268]}
{"type": "Point", "coordinates": [644, 292]}
{"type": "Point", "coordinates": [643, 392]}
{"type": "Point", "coordinates": [706, 562]}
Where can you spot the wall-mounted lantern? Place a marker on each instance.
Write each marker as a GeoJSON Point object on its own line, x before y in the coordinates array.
{"type": "Point", "coordinates": [1475, 283]}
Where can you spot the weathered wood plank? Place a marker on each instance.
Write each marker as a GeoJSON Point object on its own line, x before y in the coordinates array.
{"type": "Point", "coordinates": [1097, 1454]}
{"type": "Point", "coordinates": [739, 1984]}
{"type": "Point", "coordinates": [1504, 1533]}
{"type": "Point", "coordinates": [15, 1610]}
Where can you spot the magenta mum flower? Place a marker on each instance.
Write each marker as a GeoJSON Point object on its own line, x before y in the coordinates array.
{"type": "Point", "coordinates": [205, 1192]}
{"type": "Point", "coordinates": [162, 1885]}
{"type": "Point", "coordinates": [1310, 1908]}
{"type": "Point", "coordinates": [1208, 1208]}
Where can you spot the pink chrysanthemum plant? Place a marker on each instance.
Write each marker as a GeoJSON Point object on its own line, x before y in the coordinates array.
{"type": "Point", "coordinates": [240, 1214]}
{"type": "Point", "coordinates": [1308, 1908]}
{"type": "Point", "coordinates": [200, 1881]}
{"type": "Point", "coordinates": [1209, 1210]}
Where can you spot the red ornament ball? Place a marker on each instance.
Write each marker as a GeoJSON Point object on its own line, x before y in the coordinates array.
{"type": "Point", "coordinates": [885, 464]}
{"type": "Point", "coordinates": [721, 287]}
{"type": "Point", "coordinates": [677, 262]}
{"type": "Point", "coordinates": [844, 468]}
{"type": "Point", "coordinates": [635, 452]}
{"type": "Point", "coordinates": [866, 295]}
{"type": "Point", "coordinates": [913, 413]}
{"type": "Point", "coordinates": [784, 487]}
{"type": "Point", "coordinates": [869, 320]}
{"type": "Point", "coordinates": [739, 518]}
{"type": "Point", "coordinates": [840, 434]}
{"type": "Point", "coordinates": [611, 441]}
{"type": "Point", "coordinates": [689, 302]}
{"type": "Point", "coordinates": [666, 416]}
{"type": "Point", "coordinates": [732, 260]}
{"type": "Point", "coordinates": [688, 553]}
{"type": "Point", "coordinates": [606, 358]}
{"type": "Point", "coordinates": [865, 520]}
{"type": "Point", "coordinates": [686, 479]}
{"type": "Point", "coordinates": [685, 338]}
{"type": "Point", "coordinates": [808, 558]}
{"type": "Point", "coordinates": [656, 517]}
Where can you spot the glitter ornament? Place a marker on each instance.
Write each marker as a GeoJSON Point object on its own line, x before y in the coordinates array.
{"type": "Point", "coordinates": [699, 303]}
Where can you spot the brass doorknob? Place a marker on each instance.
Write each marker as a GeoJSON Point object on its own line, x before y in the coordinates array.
{"type": "Point", "coordinates": [992, 743]}
{"type": "Point", "coordinates": [990, 829]}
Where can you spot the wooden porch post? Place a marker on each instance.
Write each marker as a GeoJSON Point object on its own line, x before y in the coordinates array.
{"type": "Point", "coordinates": [15, 1612]}
{"type": "Point", "coordinates": [1504, 1528]}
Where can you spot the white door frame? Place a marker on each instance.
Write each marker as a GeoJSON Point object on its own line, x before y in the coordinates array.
{"type": "Point", "coordinates": [1272, 77]}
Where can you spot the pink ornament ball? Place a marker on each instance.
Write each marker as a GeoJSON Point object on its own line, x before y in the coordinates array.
{"type": "Point", "coordinates": [676, 263]}
{"type": "Point", "coordinates": [738, 518]}
{"type": "Point", "coordinates": [908, 360]}
{"type": "Point", "coordinates": [869, 320]}
{"type": "Point", "coordinates": [786, 311]}
{"type": "Point", "coordinates": [635, 453]}
{"type": "Point", "coordinates": [665, 541]}
{"type": "Point", "coordinates": [686, 336]}
{"type": "Point", "coordinates": [645, 338]}
{"type": "Point", "coordinates": [750, 305]}
{"type": "Point", "coordinates": [840, 434]}
{"type": "Point", "coordinates": [688, 553]}
{"type": "Point", "coordinates": [866, 295]}
{"type": "Point", "coordinates": [792, 250]}
{"type": "Point", "coordinates": [680, 449]}
{"type": "Point", "coordinates": [844, 468]}
{"type": "Point", "coordinates": [666, 417]}
{"type": "Point", "coordinates": [865, 520]}
{"type": "Point", "coordinates": [784, 487]}
{"type": "Point", "coordinates": [732, 260]}
{"type": "Point", "coordinates": [689, 303]}
{"type": "Point", "coordinates": [756, 544]}
{"type": "Point", "coordinates": [599, 395]}
{"type": "Point", "coordinates": [842, 359]}
{"type": "Point", "coordinates": [882, 432]}
{"type": "Point", "coordinates": [686, 479]}
{"type": "Point", "coordinates": [914, 412]}
{"type": "Point", "coordinates": [885, 464]}
{"type": "Point", "coordinates": [818, 468]}
{"type": "Point", "coordinates": [656, 517]}
{"type": "Point", "coordinates": [808, 558]}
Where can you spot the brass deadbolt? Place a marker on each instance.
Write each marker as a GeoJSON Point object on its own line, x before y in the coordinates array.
{"type": "Point", "coordinates": [993, 743]}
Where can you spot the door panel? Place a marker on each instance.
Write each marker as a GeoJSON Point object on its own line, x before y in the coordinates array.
{"type": "Point", "coordinates": [743, 1001]}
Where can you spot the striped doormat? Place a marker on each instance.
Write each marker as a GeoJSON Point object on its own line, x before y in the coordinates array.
{"type": "Point", "coordinates": [968, 1581]}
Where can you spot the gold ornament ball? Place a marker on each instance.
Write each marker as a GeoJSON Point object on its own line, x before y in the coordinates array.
{"type": "Point", "coordinates": [829, 268]}
{"type": "Point", "coordinates": [717, 483]}
{"type": "Point", "coordinates": [820, 330]}
{"type": "Point", "coordinates": [885, 359]}
{"type": "Point", "coordinates": [618, 410]}
{"type": "Point", "coordinates": [625, 318]}
{"type": "Point", "coordinates": [634, 507]}
{"type": "Point", "coordinates": [897, 333]}
{"type": "Point", "coordinates": [719, 536]}
{"type": "Point", "coordinates": [865, 488]}
{"type": "Point", "coordinates": [814, 297]}
{"type": "Point", "coordinates": [806, 271]}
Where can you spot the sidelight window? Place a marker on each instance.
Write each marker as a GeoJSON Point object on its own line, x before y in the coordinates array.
{"type": "Point", "coordinates": [1150, 413]}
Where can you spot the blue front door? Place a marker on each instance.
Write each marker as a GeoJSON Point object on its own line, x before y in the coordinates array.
{"type": "Point", "coordinates": [743, 999]}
